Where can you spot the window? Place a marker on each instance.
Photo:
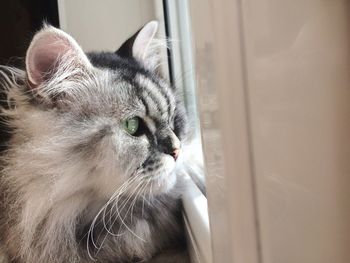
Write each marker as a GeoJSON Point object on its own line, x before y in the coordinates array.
{"type": "Point", "coordinates": [182, 70]}
{"type": "Point", "coordinates": [182, 73]}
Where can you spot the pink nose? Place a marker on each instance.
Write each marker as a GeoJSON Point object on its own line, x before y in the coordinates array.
{"type": "Point", "coordinates": [175, 153]}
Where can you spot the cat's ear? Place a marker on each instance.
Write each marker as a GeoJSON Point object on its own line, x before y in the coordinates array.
{"type": "Point", "coordinates": [50, 48]}
{"type": "Point", "coordinates": [141, 45]}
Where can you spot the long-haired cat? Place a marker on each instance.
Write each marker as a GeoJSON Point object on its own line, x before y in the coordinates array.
{"type": "Point", "coordinates": [89, 171]}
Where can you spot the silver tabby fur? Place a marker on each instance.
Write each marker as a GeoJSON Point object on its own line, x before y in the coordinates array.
{"type": "Point", "coordinates": [74, 186]}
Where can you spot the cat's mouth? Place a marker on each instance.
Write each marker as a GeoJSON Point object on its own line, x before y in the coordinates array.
{"type": "Point", "coordinates": [156, 166]}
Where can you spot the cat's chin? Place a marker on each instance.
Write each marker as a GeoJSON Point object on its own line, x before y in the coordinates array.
{"type": "Point", "coordinates": [162, 180]}
{"type": "Point", "coordinates": [163, 183]}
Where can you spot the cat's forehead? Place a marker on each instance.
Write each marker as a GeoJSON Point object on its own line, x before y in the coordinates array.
{"type": "Point", "coordinates": [138, 91]}
{"type": "Point", "coordinates": [145, 96]}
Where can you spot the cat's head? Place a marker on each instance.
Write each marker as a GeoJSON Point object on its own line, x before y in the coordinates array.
{"type": "Point", "coordinates": [105, 118]}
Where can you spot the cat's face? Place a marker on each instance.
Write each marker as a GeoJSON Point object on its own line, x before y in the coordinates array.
{"type": "Point", "coordinates": [113, 115]}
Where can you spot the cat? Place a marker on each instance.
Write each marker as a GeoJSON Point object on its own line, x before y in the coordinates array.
{"type": "Point", "coordinates": [90, 171]}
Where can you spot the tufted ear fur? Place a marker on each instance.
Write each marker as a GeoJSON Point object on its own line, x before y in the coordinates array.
{"type": "Point", "coordinates": [143, 46]}
{"type": "Point", "coordinates": [50, 48]}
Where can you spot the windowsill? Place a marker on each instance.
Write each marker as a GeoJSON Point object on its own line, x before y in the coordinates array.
{"type": "Point", "coordinates": [197, 223]}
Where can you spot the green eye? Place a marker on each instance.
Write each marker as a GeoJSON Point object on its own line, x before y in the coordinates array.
{"type": "Point", "coordinates": [131, 125]}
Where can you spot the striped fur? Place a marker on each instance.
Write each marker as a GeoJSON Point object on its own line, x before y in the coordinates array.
{"type": "Point", "coordinates": [75, 187]}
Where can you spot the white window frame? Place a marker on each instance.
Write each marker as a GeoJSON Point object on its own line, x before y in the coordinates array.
{"type": "Point", "coordinates": [219, 56]}
{"type": "Point", "coordinates": [182, 75]}
{"type": "Point", "coordinates": [217, 28]}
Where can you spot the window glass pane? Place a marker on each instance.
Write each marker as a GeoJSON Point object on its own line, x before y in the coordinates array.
{"type": "Point", "coordinates": [182, 75]}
